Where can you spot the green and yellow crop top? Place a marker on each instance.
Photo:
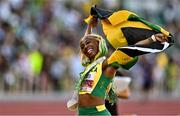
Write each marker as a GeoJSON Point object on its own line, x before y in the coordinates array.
{"type": "Point", "coordinates": [95, 83]}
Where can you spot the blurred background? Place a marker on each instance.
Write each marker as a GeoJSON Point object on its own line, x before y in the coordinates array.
{"type": "Point", "coordinates": [39, 51]}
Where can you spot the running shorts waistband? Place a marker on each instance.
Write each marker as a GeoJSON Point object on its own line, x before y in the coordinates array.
{"type": "Point", "coordinates": [89, 110]}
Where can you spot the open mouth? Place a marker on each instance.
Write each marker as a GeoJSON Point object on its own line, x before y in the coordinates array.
{"type": "Point", "coordinates": [90, 51]}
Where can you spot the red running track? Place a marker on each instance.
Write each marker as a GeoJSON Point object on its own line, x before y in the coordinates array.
{"type": "Point", "coordinates": [168, 108]}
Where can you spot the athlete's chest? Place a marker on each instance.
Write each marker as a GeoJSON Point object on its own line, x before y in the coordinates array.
{"type": "Point", "coordinates": [90, 80]}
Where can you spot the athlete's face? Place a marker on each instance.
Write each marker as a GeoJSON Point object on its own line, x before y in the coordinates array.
{"type": "Point", "coordinates": [89, 47]}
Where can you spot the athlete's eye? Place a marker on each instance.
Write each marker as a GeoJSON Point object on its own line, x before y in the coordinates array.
{"type": "Point", "coordinates": [88, 42]}
{"type": "Point", "coordinates": [82, 46]}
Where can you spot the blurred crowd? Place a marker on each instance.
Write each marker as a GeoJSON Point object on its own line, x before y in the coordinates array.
{"type": "Point", "coordinates": [39, 45]}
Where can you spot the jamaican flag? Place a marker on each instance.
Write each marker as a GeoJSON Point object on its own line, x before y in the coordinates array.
{"type": "Point", "coordinates": [124, 28]}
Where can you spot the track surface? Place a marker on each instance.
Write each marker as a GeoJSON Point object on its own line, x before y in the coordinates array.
{"type": "Point", "coordinates": [168, 108]}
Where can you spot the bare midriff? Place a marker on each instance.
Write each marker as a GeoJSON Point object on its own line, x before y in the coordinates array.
{"type": "Point", "coordinates": [87, 100]}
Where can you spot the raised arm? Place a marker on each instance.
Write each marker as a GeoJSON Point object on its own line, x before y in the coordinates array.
{"type": "Point", "coordinates": [92, 23]}
{"type": "Point", "coordinates": [88, 30]}
{"type": "Point", "coordinates": [157, 37]}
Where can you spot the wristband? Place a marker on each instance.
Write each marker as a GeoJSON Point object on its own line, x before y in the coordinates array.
{"type": "Point", "coordinates": [153, 38]}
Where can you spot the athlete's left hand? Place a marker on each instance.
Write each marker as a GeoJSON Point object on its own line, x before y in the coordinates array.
{"type": "Point", "coordinates": [160, 37]}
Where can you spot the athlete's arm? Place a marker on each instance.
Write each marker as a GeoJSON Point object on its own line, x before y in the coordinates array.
{"type": "Point", "coordinates": [157, 37]}
{"type": "Point", "coordinates": [92, 23]}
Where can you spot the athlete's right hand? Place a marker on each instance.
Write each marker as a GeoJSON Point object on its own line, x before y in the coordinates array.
{"type": "Point", "coordinates": [93, 22]}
